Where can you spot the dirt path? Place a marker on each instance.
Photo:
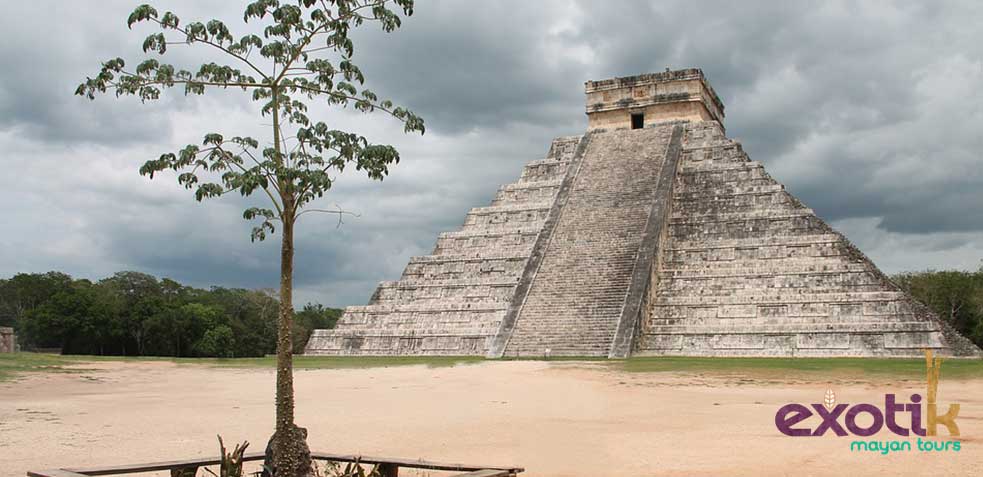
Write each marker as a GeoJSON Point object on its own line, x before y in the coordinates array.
{"type": "Point", "coordinates": [554, 419]}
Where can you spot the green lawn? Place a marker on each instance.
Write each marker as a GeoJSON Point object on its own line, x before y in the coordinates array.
{"type": "Point", "coordinates": [14, 363]}
{"type": "Point", "coordinates": [340, 362]}
{"type": "Point", "coordinates": [11, 364]}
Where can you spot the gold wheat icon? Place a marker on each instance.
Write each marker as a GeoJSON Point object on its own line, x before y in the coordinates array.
{"type": "Point", "coordinates": [829, 400]}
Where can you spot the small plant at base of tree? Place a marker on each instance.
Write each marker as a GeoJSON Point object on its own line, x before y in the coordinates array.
{"type": "Point", "coordinates": [230, 464]}
{"type": "Point", "coordinates": [305, 53]}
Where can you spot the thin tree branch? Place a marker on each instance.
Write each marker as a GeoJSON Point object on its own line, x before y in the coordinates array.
{"type": "Point", "coordinates": [340, 212]}
{"type": "Point", "coordinates": [216, 45]}
{"type": "Point", "coordinates": [336, 94]}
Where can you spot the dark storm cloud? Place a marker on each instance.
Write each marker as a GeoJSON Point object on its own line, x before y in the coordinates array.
{"type": "Point", "coordinates": [868, 112]}
{"type": "Point", "coordinates": [42, 67]}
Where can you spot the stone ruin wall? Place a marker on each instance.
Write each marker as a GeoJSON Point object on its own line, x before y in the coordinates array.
{"type": "Point", "coordinates": [8, 340]}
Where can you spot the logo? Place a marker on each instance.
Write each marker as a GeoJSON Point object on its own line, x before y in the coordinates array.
{"type": "Point", "coordinates": [914, 417]}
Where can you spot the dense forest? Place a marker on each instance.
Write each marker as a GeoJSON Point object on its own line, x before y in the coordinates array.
{"type": "Point", "coordinates": [136, 314]}
{"type": "Point", "coordinates": [957, 297]}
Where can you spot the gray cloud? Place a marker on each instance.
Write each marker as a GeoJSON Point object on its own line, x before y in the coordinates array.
{"type": "Point", "coordinates": [868, 112]}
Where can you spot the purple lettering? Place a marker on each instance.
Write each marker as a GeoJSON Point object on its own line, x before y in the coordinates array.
{"type": "Point", "coordinates": [829, 419]}
{"type": "Point", "coordinates": [916, 415]}
{"type": "Point", "coordinates": [790, 415]}
{"type": "Point", "coordinates": [851, 420]}
{"type": "Point", "coordinates": [890, 408]}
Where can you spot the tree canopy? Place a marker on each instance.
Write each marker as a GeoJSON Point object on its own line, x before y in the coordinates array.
{"type": "Point", "coordinates": [956, 296]}
{"type": "Point", "coordinates": [136, 314]}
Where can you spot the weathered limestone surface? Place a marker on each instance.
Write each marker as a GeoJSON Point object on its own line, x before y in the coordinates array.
{"type": "Point", "coordinates": [664, 240]}
{"type": "Point", "coordinates": [659, 97]}
{"type": "Point", "coordinates": [747, 270]}
{"type": "Point", "coordinates": [452, 302]}
{"type": "Point", "coordinates": [8, 340]}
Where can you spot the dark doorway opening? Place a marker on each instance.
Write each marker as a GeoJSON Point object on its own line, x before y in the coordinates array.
{"type": "Point", "coordinates": [637, 121]}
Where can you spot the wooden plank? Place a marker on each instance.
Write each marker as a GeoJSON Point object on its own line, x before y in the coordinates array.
{"type": "Point", "coordinates": [486, 473]}
{"type": "Point", "coordinates": [254, 456]}
{"type": "Point", "coordinates": [413, 464]}
{"type": "Point", "coordinates": [54, 473]}
{"type": "Point", "coordinates": [158, 466]}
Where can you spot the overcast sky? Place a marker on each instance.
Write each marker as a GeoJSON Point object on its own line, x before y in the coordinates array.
{"type": "Point", "coordinates": [871, 113]}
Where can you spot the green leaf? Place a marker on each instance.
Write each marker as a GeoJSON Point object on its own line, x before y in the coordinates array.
{"type": "Point", "coordinates": [141, 13]}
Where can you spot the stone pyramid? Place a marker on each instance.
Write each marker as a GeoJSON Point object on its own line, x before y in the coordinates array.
{"type": "Point", "coordinates": [650, 234]}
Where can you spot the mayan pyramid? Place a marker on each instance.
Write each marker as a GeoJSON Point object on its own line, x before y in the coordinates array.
{"type": "Point", "coordinates": [650, 234]}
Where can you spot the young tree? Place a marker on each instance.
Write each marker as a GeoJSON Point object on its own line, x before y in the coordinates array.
{"type": "Point", "coordinates": [304, 54]}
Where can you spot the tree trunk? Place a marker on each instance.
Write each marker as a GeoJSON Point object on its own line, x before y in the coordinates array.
{"type": "Point", "coordinates": [291, 456]}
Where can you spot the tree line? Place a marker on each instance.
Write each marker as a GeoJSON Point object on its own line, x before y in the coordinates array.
{"type": "Point", "coordinates": [137, 314]}
{"type": "Point", "coordinates": [956, 296]}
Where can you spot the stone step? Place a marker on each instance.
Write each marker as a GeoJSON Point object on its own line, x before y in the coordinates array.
{"type": "Point", "coordinates": [438, 283]}
{"type": "Point", "coordinates": [382, 342]}
{"type": "Point", "coordinates": [443, 307]}
{"type": "Point", "coordinates": [520, 207]}
{"type": "Point", "coordinates": [702, 179]}
{"type": "Point", "coordinates": [767, 267]}
{"type": "Point", "coordinates": [543, 170]}
{"type": "Point", "coordinates": [471, 258]}
{"type": "Point", "coordinates": [692, 168]}
{"type": "Point", "coordinates": [730, 190]}
{"type": "Point", "coordinates": [435, 294]}
{"type": "Point", "coordinates": [878, 326]}
{"type": "Point", "coordinates": [751, 228]}
{"type": "Point", "coordinates": [491, 231]}
{"type": "Point", "coordinates": [724, 151]}
{"type": "Point", "coordinates": [750, 256]}
{"type": "Point", "coordinates": [692, 321]}
{"type": "Point", "coordinates": [503, 265]}
{"type": "Point", "coordinates": [792, 240]}
{"type": "Point", "coordinates": [517, 244]}
{"type": "Point", "coordinates": [773, 213]}
{"type": "Point", "coordinates": [749, 305]}
{"type": "Point", "coordinates": [734, 204]}
{"type": "Point", "coordinates": [521, 194]}
{"type": "Point", "coordinates": [517, 215]}
{"type": "Point", "coordinates": [778, 298]}
{"type": "Point", "coordinates": [818, 283]}
{"type": "Point", "coordinates": [693, 186]}
{"type": "Point", "coordinates": [532, 185]}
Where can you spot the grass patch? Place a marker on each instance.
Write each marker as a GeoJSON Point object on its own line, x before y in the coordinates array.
{"type": "Point", "coordinates": [12, 364]}
{"type": "Point", "coordinates": [343, 362]}
{"type": "Point", "coordinates": [602, 359]}
{"type": "Point", "coordinates": [900, 367]}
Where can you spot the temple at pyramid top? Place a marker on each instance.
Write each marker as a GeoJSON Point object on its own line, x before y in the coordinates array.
{"type": "Point", "coordinates": [652, 233]}
{"type": "Point", "coordinates": [642, 100]}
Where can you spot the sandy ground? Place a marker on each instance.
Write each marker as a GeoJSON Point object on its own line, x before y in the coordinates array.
{"type": "Point", "coordinates": [555, 419]}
